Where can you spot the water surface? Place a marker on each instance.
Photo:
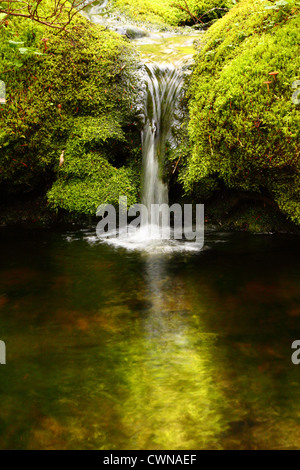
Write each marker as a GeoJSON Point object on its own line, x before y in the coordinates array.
{"type": "Point", "coordinates": [116, 349]}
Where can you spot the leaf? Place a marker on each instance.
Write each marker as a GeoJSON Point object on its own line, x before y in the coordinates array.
{"type": "Point", "coordinates": [281, 3]}
{"type": "Point", "coordinates": [17, 64]}
{"type": "Point", "coordinates": [23, 50]}
{"type": "Point", "coordinates": [15, 43]}
{"type": "Point", "coordinates": [296, 84]}
{"type": "Point", "coordinates": [27, 50]}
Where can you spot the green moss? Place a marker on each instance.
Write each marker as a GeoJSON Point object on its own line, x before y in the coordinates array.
{"type": "Point", "coordinates": [86, 178]}
{"type": "Point", "coordinates": [251, 212]}
{"type": "Point", "coordinates": [103, 185]}
{"type": "Point", "coordinates": [240, 132]}
{"type": "Point", "coordinates": [169, 11]}
{"type": "Point", "coordinates": [77, 97]}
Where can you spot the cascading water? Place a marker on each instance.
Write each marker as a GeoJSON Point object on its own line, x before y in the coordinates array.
{"type": "Point", "coordinates": [167, 57]}
{"type": "Point", "coordinates": [98, 8]}
{"type": "Point", "coordinates": [164, 84]}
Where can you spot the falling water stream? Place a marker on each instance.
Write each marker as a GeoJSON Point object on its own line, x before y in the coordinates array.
{"type": "Point", "coordinates": [164, 55]}
{"type": "Point", "coordinates": [163, 89]}
{"type": "Point", "coordinates": [164, 84]}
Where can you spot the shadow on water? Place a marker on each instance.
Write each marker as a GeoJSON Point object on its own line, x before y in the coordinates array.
{"type": "Point", "coordinates": [110, 349]}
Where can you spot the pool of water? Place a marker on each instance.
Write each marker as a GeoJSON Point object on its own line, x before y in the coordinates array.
{"type": "Point", "coordinates": [168, 47]}
{"type": "Point", "coordinates": [116, 349]}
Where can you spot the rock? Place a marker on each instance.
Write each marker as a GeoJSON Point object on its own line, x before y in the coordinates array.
{"type": "Point", "coordinates": [135, 33]}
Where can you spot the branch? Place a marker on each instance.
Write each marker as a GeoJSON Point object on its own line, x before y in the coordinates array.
{"type": "Point", "coordinates": [209, 11]}
{"type": "Point", "coordinates": [195, 18]}
{"type": "Point", "coordinates": [59, 17]}
{"type": "Point", "coordinates": [186, 9]}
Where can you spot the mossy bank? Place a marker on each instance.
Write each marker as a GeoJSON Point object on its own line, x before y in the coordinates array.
{"type": "Point", "coordinates": [165, 13]}
{"type": "Point", "coordinates": [243, 132]}
{"type": "Point", "coordinates": [67, 127]}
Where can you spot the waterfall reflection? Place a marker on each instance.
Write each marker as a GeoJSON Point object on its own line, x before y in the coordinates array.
{"type": "Point", "coordinates": [174, 400]}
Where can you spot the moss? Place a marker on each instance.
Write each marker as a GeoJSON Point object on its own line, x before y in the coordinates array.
{"type": "Point", "coordinates": [83, 195]}
{"type": "Point", "coordinates": [86, 178]}
{"type": "Point", "coordinates": [244, 211]}
{"type": "Point", "coordinates": [241, 133]}
{"type": "Point", "coordinates": [77, 97]}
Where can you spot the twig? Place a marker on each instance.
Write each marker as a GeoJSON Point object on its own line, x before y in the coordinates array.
{"type": "Point", "coordinates": [59, 17]}
{"type": "Point", "coordinates": [195, 18]}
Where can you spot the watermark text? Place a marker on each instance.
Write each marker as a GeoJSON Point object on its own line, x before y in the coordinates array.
{"type": "Point", "coordinates": [2, 352]}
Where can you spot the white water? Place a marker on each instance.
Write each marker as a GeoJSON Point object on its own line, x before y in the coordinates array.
{"type": "Point", "coordinates": [164, 84]}
{"type": "Point", "coordinates": [163, 89]}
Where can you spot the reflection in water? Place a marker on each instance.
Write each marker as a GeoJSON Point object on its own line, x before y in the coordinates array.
{"type": "Point", "coordinates": [173, 399]}
{"type": "Point", "coordinates": [110, 349]}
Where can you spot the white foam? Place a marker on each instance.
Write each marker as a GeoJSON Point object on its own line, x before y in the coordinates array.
{"type": "Point", "coordinates": [149, 239]}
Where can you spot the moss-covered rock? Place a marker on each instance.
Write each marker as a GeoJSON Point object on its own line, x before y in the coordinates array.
{"type": "Point", "coordinates": [87, 176]}
{"type": "Point", "coordinates": [244, 131]}
{"type": "Point", "coordinates": [71, 94]}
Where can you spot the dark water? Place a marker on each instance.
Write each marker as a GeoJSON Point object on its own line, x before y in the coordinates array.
{"type": "Point", "coordinates": [108, 349]}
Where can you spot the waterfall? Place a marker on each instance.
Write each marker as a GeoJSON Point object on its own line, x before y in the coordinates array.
{"type": "Point", "coordinates": [98, 7]}
{"type": "Point", "coordinates": [164, 84]}
{"type": "Point", "coordinates": [96, 10]}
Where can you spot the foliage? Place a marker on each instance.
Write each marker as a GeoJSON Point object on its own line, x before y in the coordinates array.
{"type": "Point", "coordinates": [54, 14]}
{"type": "Point", "coordinates": [86, 177]}
{"type": "Point", "coordinates": [104, 185]}
{"type": "Point", "coordinates": [243, 130]}
{"type": "Point", "coordinates": [170, 11]}
{"type": "Point", "coordinates": [202, 11]}
{"type": "Point", "coordinates": [83, 79]}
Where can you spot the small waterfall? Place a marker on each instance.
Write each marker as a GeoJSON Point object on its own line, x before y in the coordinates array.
{"type": "Point", "coordinates": [164, 84]}
{"type": "Point", "coordinates": [96, 11]}
{"type": "Point", "coordinates": [98, 7]}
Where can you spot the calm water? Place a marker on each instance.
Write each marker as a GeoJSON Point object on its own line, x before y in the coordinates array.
{"type": "Point", "coordinates": [109, 349]}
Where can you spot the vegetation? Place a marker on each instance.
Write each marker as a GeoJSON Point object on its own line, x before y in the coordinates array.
{"type": "Point", "coordinates": [174, 12]}
{"type": "Point", "coordinates": [67, 127]}
{"type": "Point", "coordinates": [87, 178]}
{"type": "Point", "coordinates": [69, 106]}
{"type": "Point", "coordinates": [244, 125]}
{"type": "Point", "coordinates": [58, 14]}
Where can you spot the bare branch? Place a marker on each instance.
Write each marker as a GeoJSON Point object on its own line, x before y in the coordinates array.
{"type": "Point", "coordinates": [59, 17]}
{"type": "Point", "coordinates": [210, 11]}
{"type": "Point", "coordinates": [186, 9]}
{"type": "Point", "coordinates": [195, 18]}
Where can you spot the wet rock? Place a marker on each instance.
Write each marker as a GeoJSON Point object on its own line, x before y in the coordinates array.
{"type": "Point", "coordinates": [135, 33]}
{"type": "Point", "coordinates": [119, 29]}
